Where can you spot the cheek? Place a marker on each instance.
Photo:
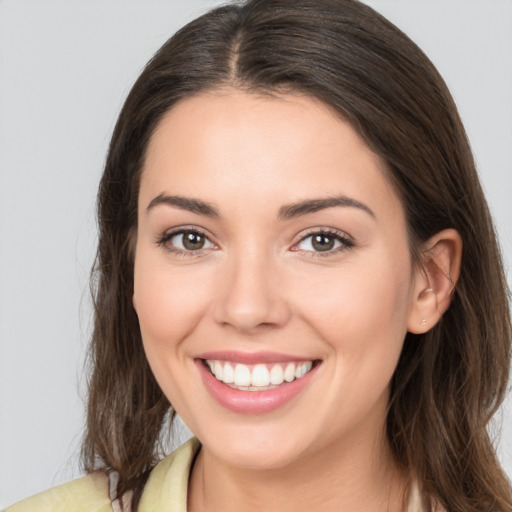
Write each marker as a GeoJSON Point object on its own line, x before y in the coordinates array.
{"type": "Point", "coordinates": [361, 299]}
{"type": "Point", "coordinates": [362, 316]}
{"type": "Point", "coordinates": [362, 321]}
{"type": "Point", "coordinates": [169, 302]}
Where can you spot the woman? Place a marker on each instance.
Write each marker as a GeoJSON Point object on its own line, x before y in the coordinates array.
{"type": "Point", "coordinates": [296, 254]}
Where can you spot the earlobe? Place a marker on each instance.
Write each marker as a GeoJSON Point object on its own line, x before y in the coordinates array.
{"type": "Point", "coordinates": [435, 280]}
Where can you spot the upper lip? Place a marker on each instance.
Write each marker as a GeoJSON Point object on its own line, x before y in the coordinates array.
{"type": "Point", "coordinates": [252, 357]}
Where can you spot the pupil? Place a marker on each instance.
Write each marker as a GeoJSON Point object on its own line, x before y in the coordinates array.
{"type": "Point", "coordinates": [193, 241]}
{"type": "Point", "coordinates": [323, 242]}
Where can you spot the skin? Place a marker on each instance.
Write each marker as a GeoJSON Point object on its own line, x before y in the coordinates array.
{"type": "Point", "coordinates": [258, 285]}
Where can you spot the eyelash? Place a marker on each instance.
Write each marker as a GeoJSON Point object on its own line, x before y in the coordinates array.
{"type": "Point", "coordinates": [344, 240]}
{"type": "Point", "coordinates": [165, 238]}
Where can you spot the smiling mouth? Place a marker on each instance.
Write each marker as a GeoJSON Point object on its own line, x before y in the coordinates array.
{"type": "Point", "coordinates": [257, 377]}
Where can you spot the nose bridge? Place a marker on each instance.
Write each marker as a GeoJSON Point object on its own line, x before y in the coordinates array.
{"type": "Point", "coordinates": [251, 294]}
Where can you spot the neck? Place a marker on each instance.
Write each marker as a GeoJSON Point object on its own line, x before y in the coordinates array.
{"type": "Point", "coordinates": [346, 475]}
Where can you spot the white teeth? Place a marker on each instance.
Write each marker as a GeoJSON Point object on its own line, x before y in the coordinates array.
{"type": "Point", "coordinates": [257, 377]}
{"type": "Point", "coordinates": [217, 370]}
{"type": "Point", "coordinates": [289, 373]}
{"type": "Point", "coordinates": [302, 369]}
{"type": "Point", "coordinates": [260, 376]}
{"type": "Point", "coordinates": [228, 374]}
{"type": "Point", "coordinates": [276, 375]}
{"type": "Point", "coordinates": [242, 375]}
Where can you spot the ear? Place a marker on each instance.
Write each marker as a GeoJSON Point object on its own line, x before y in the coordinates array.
{"type": "Point", "coordinates": [435, 280]}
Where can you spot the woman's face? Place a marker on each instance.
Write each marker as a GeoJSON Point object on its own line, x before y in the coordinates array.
{"type": "Point", "coordinates": [270, 244]}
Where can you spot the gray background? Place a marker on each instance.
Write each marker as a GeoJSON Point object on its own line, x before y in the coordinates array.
{"type": "Point", "coordinates": [65, 68]}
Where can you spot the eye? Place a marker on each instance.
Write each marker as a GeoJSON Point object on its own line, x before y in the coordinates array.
{"type": "Point", "coordinates": [190, 241]}
{"type": "Point", "coordinates": [185, 241]}
{"type": "Point", "coordinates": [324, 241]}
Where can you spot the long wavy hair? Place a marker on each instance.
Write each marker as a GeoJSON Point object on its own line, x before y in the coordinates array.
{"type": "Point", "coordinates": [449, 381]}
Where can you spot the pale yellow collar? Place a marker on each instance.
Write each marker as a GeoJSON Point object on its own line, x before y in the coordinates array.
{"type": "Point", "coordinates": [166, 488]}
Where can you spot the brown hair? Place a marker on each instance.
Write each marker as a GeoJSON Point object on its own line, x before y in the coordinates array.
{"type": "Point", "coordinates": [449, 381]}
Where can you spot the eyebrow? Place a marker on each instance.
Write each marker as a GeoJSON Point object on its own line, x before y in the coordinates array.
{"type": "Point", "coordinates": [286, 212]}
{"type": "Point", "coordinates": [185, 203]}
{"type": "Point", "coordinates": [314, 205]}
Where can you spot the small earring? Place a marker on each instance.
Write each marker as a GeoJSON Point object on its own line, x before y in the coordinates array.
{"type": "Point", "coordinates": [423, 322]}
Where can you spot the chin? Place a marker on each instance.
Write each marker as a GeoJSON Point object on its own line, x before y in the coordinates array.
{"type": "Point", "coordinates": [257, 458]}
{"type": "Point", "coordinates": [254, 447]}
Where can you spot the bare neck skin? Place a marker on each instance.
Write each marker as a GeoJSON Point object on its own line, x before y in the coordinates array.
{"type": "Point", "coordinates": [350, 476]}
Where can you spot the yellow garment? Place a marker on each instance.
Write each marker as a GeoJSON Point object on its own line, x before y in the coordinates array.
{"type": "Point", "coordinates": [165, 490]}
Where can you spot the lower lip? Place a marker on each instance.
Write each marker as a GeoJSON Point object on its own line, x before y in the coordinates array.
{"type": "Point", "coordinates": [253, 402]}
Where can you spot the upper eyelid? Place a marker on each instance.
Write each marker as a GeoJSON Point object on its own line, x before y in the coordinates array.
{"type": "Point", "coordinates": [185, 229]}
{"type": "Point", "coordinates": [324, 230]}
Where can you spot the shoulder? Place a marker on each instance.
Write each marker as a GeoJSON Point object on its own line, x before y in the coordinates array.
{"type": "Point", "coordinates": [167, 484]}
{"type": "Point", "coordinates": [86, 494]}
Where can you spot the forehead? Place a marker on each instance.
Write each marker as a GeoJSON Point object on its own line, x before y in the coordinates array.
{"type": "Point", "coordinates": [238, 147]}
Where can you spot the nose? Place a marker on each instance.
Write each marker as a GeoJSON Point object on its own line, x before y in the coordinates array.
{"type": "Point", "coordinates": [251, 295]}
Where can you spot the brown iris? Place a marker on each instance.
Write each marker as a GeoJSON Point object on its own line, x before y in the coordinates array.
{"type": "Point", "coordinates": [322, 242]}
{"type": "Point", "coordinates": [193, 241]}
